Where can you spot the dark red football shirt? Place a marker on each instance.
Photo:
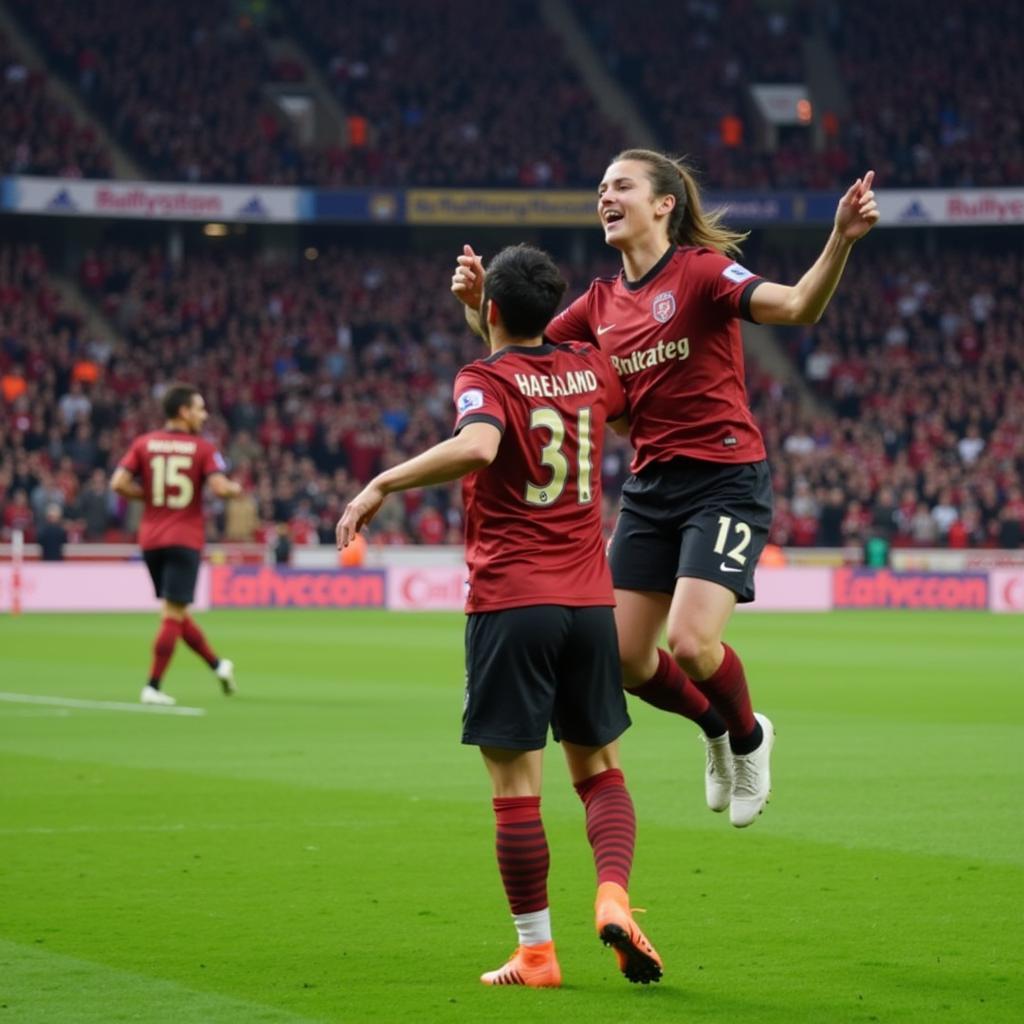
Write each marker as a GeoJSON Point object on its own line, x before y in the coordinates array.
{"type": "Point", "coordinates": [533, 516]}
{"type": "Point", "coordinates": [172, 467]}
{"type": "Point", "coordinates": [674, 340]}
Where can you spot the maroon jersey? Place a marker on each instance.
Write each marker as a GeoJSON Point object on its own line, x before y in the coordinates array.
{"type": "Point", "coordinates": [674, 340]}
{"type": "Point", "coordinates": [172, 467]}
{"type": "Point", "coordinates": [533, 516]}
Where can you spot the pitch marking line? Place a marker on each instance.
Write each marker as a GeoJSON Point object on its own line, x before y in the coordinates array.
{"type": "Point", "coordinates": [99, 705]}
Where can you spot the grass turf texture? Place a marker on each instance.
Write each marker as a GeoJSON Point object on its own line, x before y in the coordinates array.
{"type": "Point", "coordinates": [320, 847]}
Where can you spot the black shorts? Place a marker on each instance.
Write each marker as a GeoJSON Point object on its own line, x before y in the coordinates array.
{"type": "Point", "coordinates": [528, 668]}
{"type": "Point", "coordinates": [174, 571]}
{"type": "Point", "coordinates": [688, 517]}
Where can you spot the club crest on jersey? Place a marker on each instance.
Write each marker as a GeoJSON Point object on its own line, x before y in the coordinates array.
{"type": "Point", "coordinates": [664, 307]}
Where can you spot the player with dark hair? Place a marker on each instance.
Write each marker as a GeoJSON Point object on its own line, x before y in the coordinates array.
{"type": "Point", "coordinates": [697, 508]}
{"type": "Point", "coordinates": [166, 469]}
{"type": "Point", "coordinates": [540, 633]}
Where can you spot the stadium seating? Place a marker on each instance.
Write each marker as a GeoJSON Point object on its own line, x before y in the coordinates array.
{"type": "Point", "coordinates": [320, 371]}
{"type": "Point", "coordinates": [427, 102]}
{"type": "Point", "coordinates": [38, 134]}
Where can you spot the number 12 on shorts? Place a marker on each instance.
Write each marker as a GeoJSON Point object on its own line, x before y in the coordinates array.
{"type": "Point", "coordinates": [727, 525]}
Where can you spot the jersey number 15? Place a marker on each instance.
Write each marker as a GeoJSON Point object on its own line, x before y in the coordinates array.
{"type": "Point", "coordinates": [171, 485]}
{"type": "Point", "coordinates": [552, 456]}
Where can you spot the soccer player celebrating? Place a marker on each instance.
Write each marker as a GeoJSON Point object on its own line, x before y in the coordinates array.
{"type": "Point", "coordinates": [696, 510]}
{"type": "Point", "coordinates": [540, 634]}
{"type": "Point", "coordinates": [166, 469]}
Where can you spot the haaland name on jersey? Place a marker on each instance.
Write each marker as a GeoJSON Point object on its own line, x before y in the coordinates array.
{"type": "Point", "coordinates": [556, 385]}
{"type": "Point", "coordinates": [645, 358]}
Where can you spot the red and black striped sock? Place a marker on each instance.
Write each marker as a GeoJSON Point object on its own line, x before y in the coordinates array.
{"type": "Point", "coordinates": [163, 648]}
{"type": "Point", "coordinates": [196, 639]}
{"type": "Point", "coordinates": [728, 692]}
{"type": "Point", "coordinates": [671, 689]}
{"type": "Point", "coordinates": [611, 824]}
{"type": "Point", "coordinates": [523, 857]}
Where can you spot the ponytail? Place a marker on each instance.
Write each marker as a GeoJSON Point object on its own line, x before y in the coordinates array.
{"type": "Point", "coordinates": [689, 223]}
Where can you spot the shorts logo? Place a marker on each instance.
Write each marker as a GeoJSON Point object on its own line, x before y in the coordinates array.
{"type": "Point", "coordinates": [469, 400]}
{"type": "Point", "coordinates": [664, 307]}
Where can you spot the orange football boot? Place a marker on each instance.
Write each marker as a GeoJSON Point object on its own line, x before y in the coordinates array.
{"type": "Point", "coordinates": [638, 959]}
{"type": "Point", "coordinates": [533, 966]}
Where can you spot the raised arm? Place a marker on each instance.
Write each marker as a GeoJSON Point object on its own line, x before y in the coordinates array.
{"type": "Point", "coordinates": [474, 447]}
{"type": "Point", "coordinates": [468, 286]}
{"type": "Point", "coordinates": [804, 302]}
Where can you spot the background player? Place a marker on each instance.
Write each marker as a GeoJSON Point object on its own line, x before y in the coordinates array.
{"type": "Point", "coordinates": [540, 636]}
{"type": "Point", "coordinates": [696, 511]}
{"type": "Point", "coordinates": [166, 469]}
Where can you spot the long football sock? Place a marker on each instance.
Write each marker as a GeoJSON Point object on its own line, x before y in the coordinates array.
{"type": "Point", "coordinates": [163, 648]}
{"type": "Point", "coordinates": [196, 639]}
{"type": "Point", "coordinates": [728, 692]}
{"type": "Point", "coordinates": [670, 689]}
{"type": "Point", "coordinates": [523, 857]}
{"type": "Point", "coordinates": [611, 825]}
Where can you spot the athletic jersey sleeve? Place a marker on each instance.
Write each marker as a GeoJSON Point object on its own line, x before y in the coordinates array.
{"type": "Point", "coordinates": [478, 399]}
{"type": "Point", "coordinates": [211, 461]}
{"type": "Point", "coordinates": [573, 323]}
{"type": "Point", "coordinates": [132, 459]}
{"type": "Point", "coordinates": [726, 283]}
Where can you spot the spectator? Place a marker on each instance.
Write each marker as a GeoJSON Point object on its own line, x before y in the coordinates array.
{"type": "Point", "coordinates": [51, 535]}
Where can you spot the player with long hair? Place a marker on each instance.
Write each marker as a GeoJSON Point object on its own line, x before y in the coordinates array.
{"type": "Point", "coordinates": [696, 510]}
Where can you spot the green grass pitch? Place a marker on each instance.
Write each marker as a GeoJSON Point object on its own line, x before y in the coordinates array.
{"type": "Point", "coordinates": [320, 847]}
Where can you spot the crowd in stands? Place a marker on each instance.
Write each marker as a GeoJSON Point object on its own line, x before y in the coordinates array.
{"type": "Point", "coordinates": [934, 91]}
{"type": "Point", "coordinates": [930, 87]}
{"type": "Point", "coordinates": [450, 95]}
{"type": "Point", "coordinates": [323, 368]}
{"type": "Point", "coordinates": [440, 95]}
{"type": "Point", "coordinates": [39, 134]}
{"type": "Point", "coordinates": [918, 369]}
{"type": "Point", "coordinates": [180, 85]}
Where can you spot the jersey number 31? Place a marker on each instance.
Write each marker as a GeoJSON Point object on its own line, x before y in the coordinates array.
{"type": "Point", "coordinates": [552, 456]}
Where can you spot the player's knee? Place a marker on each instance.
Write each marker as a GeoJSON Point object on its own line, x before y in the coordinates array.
{"type": "Point", "coordinates": [638, 664]}
{"type": "Point", "coordinates": [691, 649]}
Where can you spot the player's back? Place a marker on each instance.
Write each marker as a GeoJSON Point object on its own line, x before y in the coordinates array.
{"type": "Point", "coordinates": [171, 466]}
{"type": "Point", "coordinates": [533, 516]}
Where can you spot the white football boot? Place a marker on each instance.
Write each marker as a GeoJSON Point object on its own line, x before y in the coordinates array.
{"type": "Point", "coordinates": [151, 695]}
{"type": "Point", "coordinates": [226, 674]}
{"type": "Point", "coordinates": [752, 778]}
{"type": "Point", "coordinates": [718, 773]}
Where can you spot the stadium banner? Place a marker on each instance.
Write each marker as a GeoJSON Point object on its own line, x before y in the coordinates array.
{"type": "Point", "coordinates": [791, 589]}
{"type": "Point", "coordinates": [247, 586]}
{"type": "Point", "coordinates": [578, 207]}
{"type": "Point", "coordinates": [1006, 590]}
{"type": "Point", "coordinates": [151, 200]}
{"type": "Point", "coordinates": [359, 206]}
{"type": "Point", "coordinates": [427, 589]}
{"type": "Point", "coordinates": [883, 588]}
{"type": "Point", "coordinates": [499, 208]}
{"type": "Point", "coordinates": [89, 587]}
{"type": "Point", "coordinates": [903, 208]}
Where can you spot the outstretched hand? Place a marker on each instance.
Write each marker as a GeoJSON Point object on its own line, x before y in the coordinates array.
{"type": "Point", "coordinates": [468, 279]}
{"type": "Point", "coordinates": [358, 513]}
{"type": "Point", "coordinates": [857, 212]}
